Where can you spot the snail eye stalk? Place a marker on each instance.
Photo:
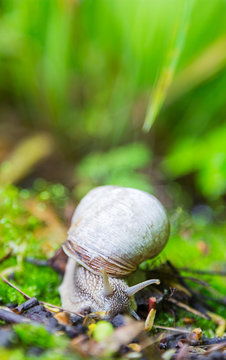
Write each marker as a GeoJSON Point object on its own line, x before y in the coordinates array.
{"type": "Point", "coordinates": [107, 287]}
{"type": "Point", "coordinates": [134, 289]}
{"type": "Point", "coordinates": [134, 314]}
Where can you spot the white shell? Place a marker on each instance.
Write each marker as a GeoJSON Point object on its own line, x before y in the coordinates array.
{"type": "Point", "coordinates": [116, 228]}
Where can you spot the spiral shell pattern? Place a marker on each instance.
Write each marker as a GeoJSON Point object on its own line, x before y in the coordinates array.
{"type": "Point", "coordinates": [116, 228]}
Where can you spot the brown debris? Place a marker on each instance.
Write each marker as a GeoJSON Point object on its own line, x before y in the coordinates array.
{"type": "Point", "coordinates": [188, 308]}
{"type": "Point", "coordinates": [188, 320]}
{"type": "Point", "coordinates": [41, 302]}
{"type": "Point", "coordinates": [182, 353]}
{"type": "Point", "coordinates": [129, 338]}
{"type": "Point", "coordinates": [149, 322]}
{"type": "Point", "coordinates": [27, 305]}
{"type": "Point", "coordinates": [10, 317]}
{"type": "Point", "coordinates": [58, 261]}
{"type": "Point", "coordinates": [62, 317]}
{"type": "Point", "coordinates": [196, 336]}
{"type": "Point", "coordinates": [220, 321]}
{"type": "Point", "coordinates": [121, 336]}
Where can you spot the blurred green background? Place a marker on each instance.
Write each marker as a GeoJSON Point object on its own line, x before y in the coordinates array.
{"type": "Point", "coordinates": [128, 92]}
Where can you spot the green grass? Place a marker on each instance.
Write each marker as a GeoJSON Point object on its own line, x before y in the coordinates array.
{"type": "Point", "coordinates": [85, 70]}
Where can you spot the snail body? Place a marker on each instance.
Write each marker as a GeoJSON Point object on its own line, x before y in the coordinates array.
{"type": "Point", "coordinates": [113, 230]}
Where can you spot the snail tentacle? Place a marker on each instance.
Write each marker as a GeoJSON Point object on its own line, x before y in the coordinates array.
{"type": "Point", "coordinates": [107, 287]}
{"type": "Point", "coordinates": [134, 289]}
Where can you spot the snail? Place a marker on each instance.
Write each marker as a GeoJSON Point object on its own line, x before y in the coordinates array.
{"type": "Point", "coordinates": [113, 230]}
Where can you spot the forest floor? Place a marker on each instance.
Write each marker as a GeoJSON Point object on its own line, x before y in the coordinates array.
{"type": "Point", "coordinates": [182, 318]}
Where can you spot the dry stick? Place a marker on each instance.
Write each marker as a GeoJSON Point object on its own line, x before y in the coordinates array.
{"type": "Point", "coordinates": [178, 303]}
{"type": "Point", "coordinates": [172, 329]}
{"type": "Point", "coordinates": [60, 308]}
{"type": "Point", "coordinates": [198, 281]}
{"type": "Point", "coordinates": [176, 272]}
{"type": "Point", "coordinates": [215, 347]}
{"type": "Point", "coordinates": [183, 352]}
{"type": "Point", "coordinates": [11, 317]}
{"type": "Point", "coordinates": [6, 256]}
{"type": "Point", "coordinates": [204, 272]}
{"type": "Point", "coordinates": [27, 297]}
{"type": "Point", "coordinates": [182, 305]}
{"type": "Point", "coordinates": [187, 307]}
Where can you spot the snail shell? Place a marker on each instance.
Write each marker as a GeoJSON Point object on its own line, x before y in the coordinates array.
{"type": "Point", "coordinates": [116, 228]}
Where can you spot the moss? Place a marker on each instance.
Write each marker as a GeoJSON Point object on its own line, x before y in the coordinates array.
{"type": "Point", "coordinates": [18, 229]}
{"type": "Point", "coordinates": [57, 355]}
{"type": "Point", "coordinates": [15, 354]}
{"type": "Point", "coordinates": [37, 335]}
{"type": "Point", "coordinates": [164, 319]}
{"type": "Point", "coordinates": [17, 225]}
{"type": "Point", "coordinates": [49, 354]}
{"type": "Point", "coordinates": [41, 282]}
{"type": "Point", "coordinates": [32, 339]}
{"type": "Point", "coordinates": [18, 232]}
{"type": "Point", "coordinates": [196, 244]}
{"type": "Point", "coordinates": [208, 326]}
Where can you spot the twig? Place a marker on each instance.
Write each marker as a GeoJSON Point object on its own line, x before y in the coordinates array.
{"type": "Point", "coordinates": [216, 347]}
{"type": "Point", "coordinates": [172, 329]}
{"type": "Point", "coordinates": [183, 353]}
{"type": "Point", "coordinates": [204, 272]}
{"type": "Point", "coordinates": [184, 283]}
{"type": "Point", "coordinates": [177, 274]}
{"type": "Point", "coordinates": [187, 307]}
{"type": "Point", "coordinates": [200, 282]}
{"type": "Point", "coordinates": [11, 317]}
{"type": "Point", "coordinates": [27, 297]}
{"type": "Point", "coordinates": [220, 321]}
{"type": "Point", "coordinates": [6, 256]}
{"type": "Point", "coordinates": [60, 308]}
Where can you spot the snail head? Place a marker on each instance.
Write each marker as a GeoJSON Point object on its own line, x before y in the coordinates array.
{"type": "Point", "coordinates": [118, 296]}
